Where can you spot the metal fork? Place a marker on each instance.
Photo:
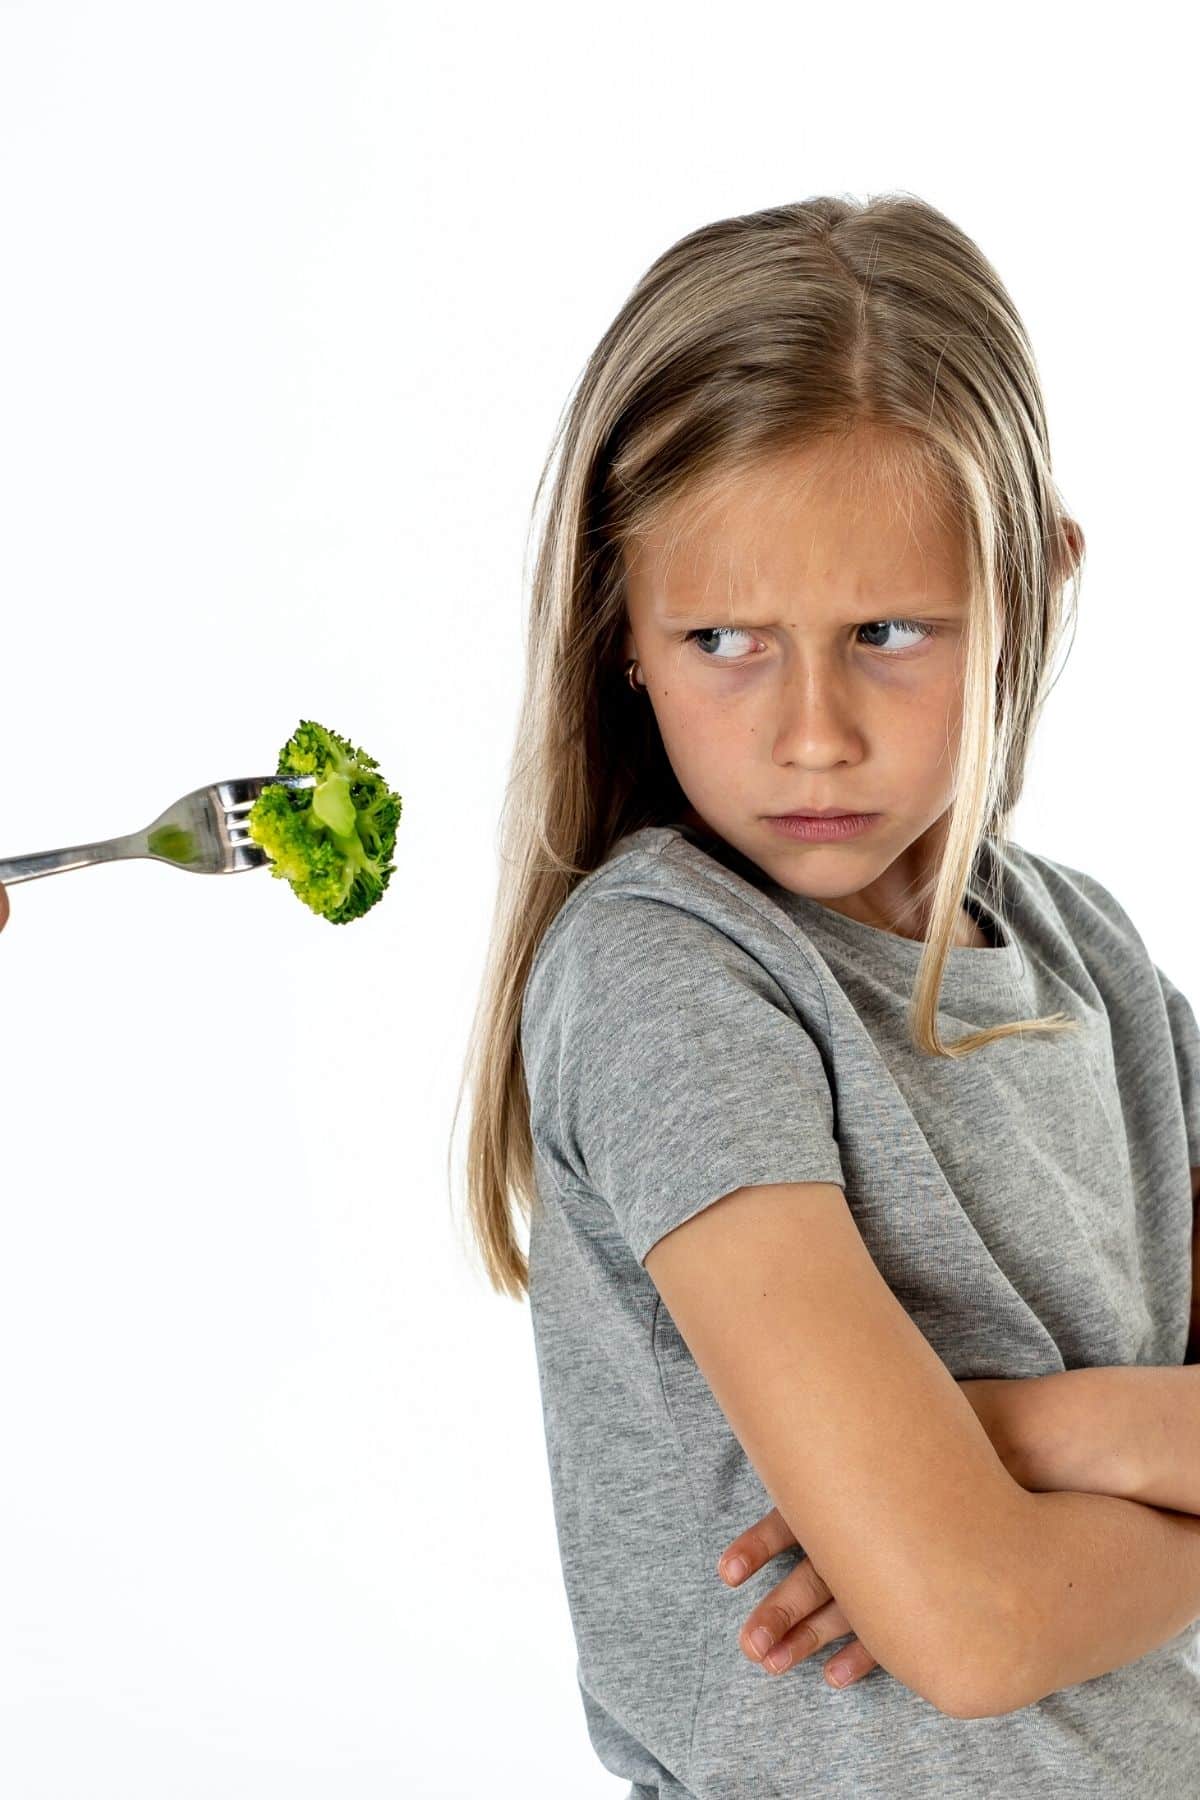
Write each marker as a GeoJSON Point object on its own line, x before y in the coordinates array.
{"type": "Point", "coordinates": [203, 832]}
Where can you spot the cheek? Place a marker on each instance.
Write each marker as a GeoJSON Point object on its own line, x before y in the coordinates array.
{"type": "Point", "coordinates": [926, 705]}
{"type": "Point", "coordinates": [681, 717]}
{"type": "Point", "coordinates": [934, 730]}
{"type": "Point", "coordinates": [702, 741]}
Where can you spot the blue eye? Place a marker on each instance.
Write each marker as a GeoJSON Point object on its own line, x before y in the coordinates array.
{"type": "Point", "coordinates": [727, 631]}
{"type": "Point", "coordinates": [715, 631]}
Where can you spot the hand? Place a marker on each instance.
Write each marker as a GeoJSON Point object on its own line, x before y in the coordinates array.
{"type": "Point", "coordinates": [800, 1614]}
{"type": "Point", "coordinates": [3, 906]}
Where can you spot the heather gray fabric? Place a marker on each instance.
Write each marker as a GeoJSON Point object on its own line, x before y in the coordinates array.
{"type": "Point", "coordinates": [690, 1027]}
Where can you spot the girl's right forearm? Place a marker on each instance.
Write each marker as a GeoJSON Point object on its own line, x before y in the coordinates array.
{"type": "Point", "coordinates": [1095, 1583]}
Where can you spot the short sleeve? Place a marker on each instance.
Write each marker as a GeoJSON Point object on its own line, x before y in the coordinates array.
{"type": "Point", "coordinates": [1185, 1035]}
{"type": "Point", "coordinates": [681, 1069]}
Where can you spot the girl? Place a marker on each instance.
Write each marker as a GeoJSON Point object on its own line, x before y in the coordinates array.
{"type": "Point", "coordinates": [829, 1135]}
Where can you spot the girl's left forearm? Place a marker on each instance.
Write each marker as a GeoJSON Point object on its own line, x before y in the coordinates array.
{"type": "Point", "coordinates": [1130, 1430]}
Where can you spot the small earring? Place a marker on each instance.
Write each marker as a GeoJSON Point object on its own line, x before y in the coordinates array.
{"type": "Point", "coordinates": [639, 687]}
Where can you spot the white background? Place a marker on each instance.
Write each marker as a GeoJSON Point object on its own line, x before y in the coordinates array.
{"type": "Point", "coordinates": [291, 298]}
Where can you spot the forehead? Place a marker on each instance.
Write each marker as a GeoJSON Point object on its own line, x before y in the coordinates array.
{"type": "Point", "coordinates": [836, 537]}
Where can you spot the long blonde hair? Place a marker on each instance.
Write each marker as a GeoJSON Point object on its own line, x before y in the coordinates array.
{"type": "Point", "coordinates": [777, 329]}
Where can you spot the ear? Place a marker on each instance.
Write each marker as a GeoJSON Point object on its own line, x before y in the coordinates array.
{"type": "Point", "coordinates": [1076, 544]}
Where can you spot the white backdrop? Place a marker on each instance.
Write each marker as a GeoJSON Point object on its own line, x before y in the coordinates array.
{"type": "Point", "coordinates": [291, 298]}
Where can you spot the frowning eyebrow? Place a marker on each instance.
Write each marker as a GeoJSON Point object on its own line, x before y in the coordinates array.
{"type": "Point", "coordinates": [901, 605]}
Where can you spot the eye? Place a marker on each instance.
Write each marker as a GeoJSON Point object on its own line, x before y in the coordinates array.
{"type": "Point", "coordinates": [715, 631]}
{"type": "Point", "coordinates": [731, 631]}
{"type": "Point", "coordinates": [914, 625]}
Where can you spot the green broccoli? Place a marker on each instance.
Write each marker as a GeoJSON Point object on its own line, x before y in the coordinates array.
{"type": "Point", "coordinates": [331, 841]}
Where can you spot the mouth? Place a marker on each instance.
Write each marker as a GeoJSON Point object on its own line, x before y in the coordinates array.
{"type": "Point", "coordinates": [831, 812]}
{"type": "Point", "coordinates": [822, 827]}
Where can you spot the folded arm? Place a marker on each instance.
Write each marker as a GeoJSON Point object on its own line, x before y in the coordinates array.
{"type": "Point", "coordinates": [1093, 1583]}
{"type": "Point", "coordinates": [855, 1426]}
{"type": "Point", "coordinates": [1131, 1431]}
{"type": "Point", "coordinates": [1112, 1570]}
{"type": "Point", "coordinates": [975, 1593]}
{"type": "Point", "coordinates": [1192, 1353]}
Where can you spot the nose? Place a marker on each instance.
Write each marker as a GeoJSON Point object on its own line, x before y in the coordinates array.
{"type": "Point", "coordinates": [817, 718]}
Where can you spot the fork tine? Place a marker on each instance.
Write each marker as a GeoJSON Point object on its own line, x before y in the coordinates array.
{"type": "Point", "coordinates": [239, 795]}
{"type": "Point", "coordinates": [236, 797]}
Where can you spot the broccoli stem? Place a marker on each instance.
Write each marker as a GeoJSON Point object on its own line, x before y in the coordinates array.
{"type": "Point", "coordinates": [332, 804]}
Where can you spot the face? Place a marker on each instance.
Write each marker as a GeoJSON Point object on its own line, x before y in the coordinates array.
{"type": "Point", "coordinates": [802, 639]}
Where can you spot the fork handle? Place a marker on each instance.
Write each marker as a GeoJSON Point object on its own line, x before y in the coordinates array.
{"type": "Point", "coordinates": [76, 856]}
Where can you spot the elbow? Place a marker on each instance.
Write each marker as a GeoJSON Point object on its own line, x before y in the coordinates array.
{"type": "Point", "coordinates": [985, 1702]}
{"type": "Point", "coordinates": [960, 1693]}
{"type": "Point", "coordinates": [990, 1678]}
{"type": "Point", "coordinates": [975, 1704]}
{"type": "Point", "coordinates": [1005, 1690]}
{"type": "Point", "coordinates": [970, 1675]}
{"type": "Point", "coordinates": [985, 1695]}
{"type": "Point", "coordinates": [997, 1680]}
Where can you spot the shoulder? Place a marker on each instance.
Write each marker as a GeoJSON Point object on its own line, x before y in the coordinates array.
{"type": "Point", "coordinates": [1086, 907]}
{"type": "Point", "coordinates": [673, 1048]}
{"type": "Point", "coordinates": [661, 907]}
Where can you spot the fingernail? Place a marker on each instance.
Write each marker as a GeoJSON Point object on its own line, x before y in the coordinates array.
{"type": "Point", "coordinates": [735, 1568]}
{"type": "Point", "coordinates": [761, 1639]}
{"type": "Point", "coordinates": [838, 1673]}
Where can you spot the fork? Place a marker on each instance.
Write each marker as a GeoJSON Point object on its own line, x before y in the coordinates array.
{"type": "Point", "coordinates": [203, 832]}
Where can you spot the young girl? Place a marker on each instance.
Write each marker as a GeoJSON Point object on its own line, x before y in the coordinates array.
{"type": "Point", "coordinates": [832, 1138]}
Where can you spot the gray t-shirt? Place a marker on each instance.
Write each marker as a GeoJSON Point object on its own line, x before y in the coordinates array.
{"type": "Point", "coordinates": [690, 1027]}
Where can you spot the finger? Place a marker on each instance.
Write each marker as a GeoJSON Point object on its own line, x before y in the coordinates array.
{"type": "Point", "coordinates": [755, 1547]}
{"type": "Point", "coordinates": [813, 1632]}
{"type": "Point", "coordinates": [3, 906]}
{"type": "Point", "coordinates": [791, 1602]}
{"type": "Point", "coordinates": [849, 1665]}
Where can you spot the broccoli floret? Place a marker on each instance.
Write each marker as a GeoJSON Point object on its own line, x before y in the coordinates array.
{"type": "Point", "coordinates": [332, 842]}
